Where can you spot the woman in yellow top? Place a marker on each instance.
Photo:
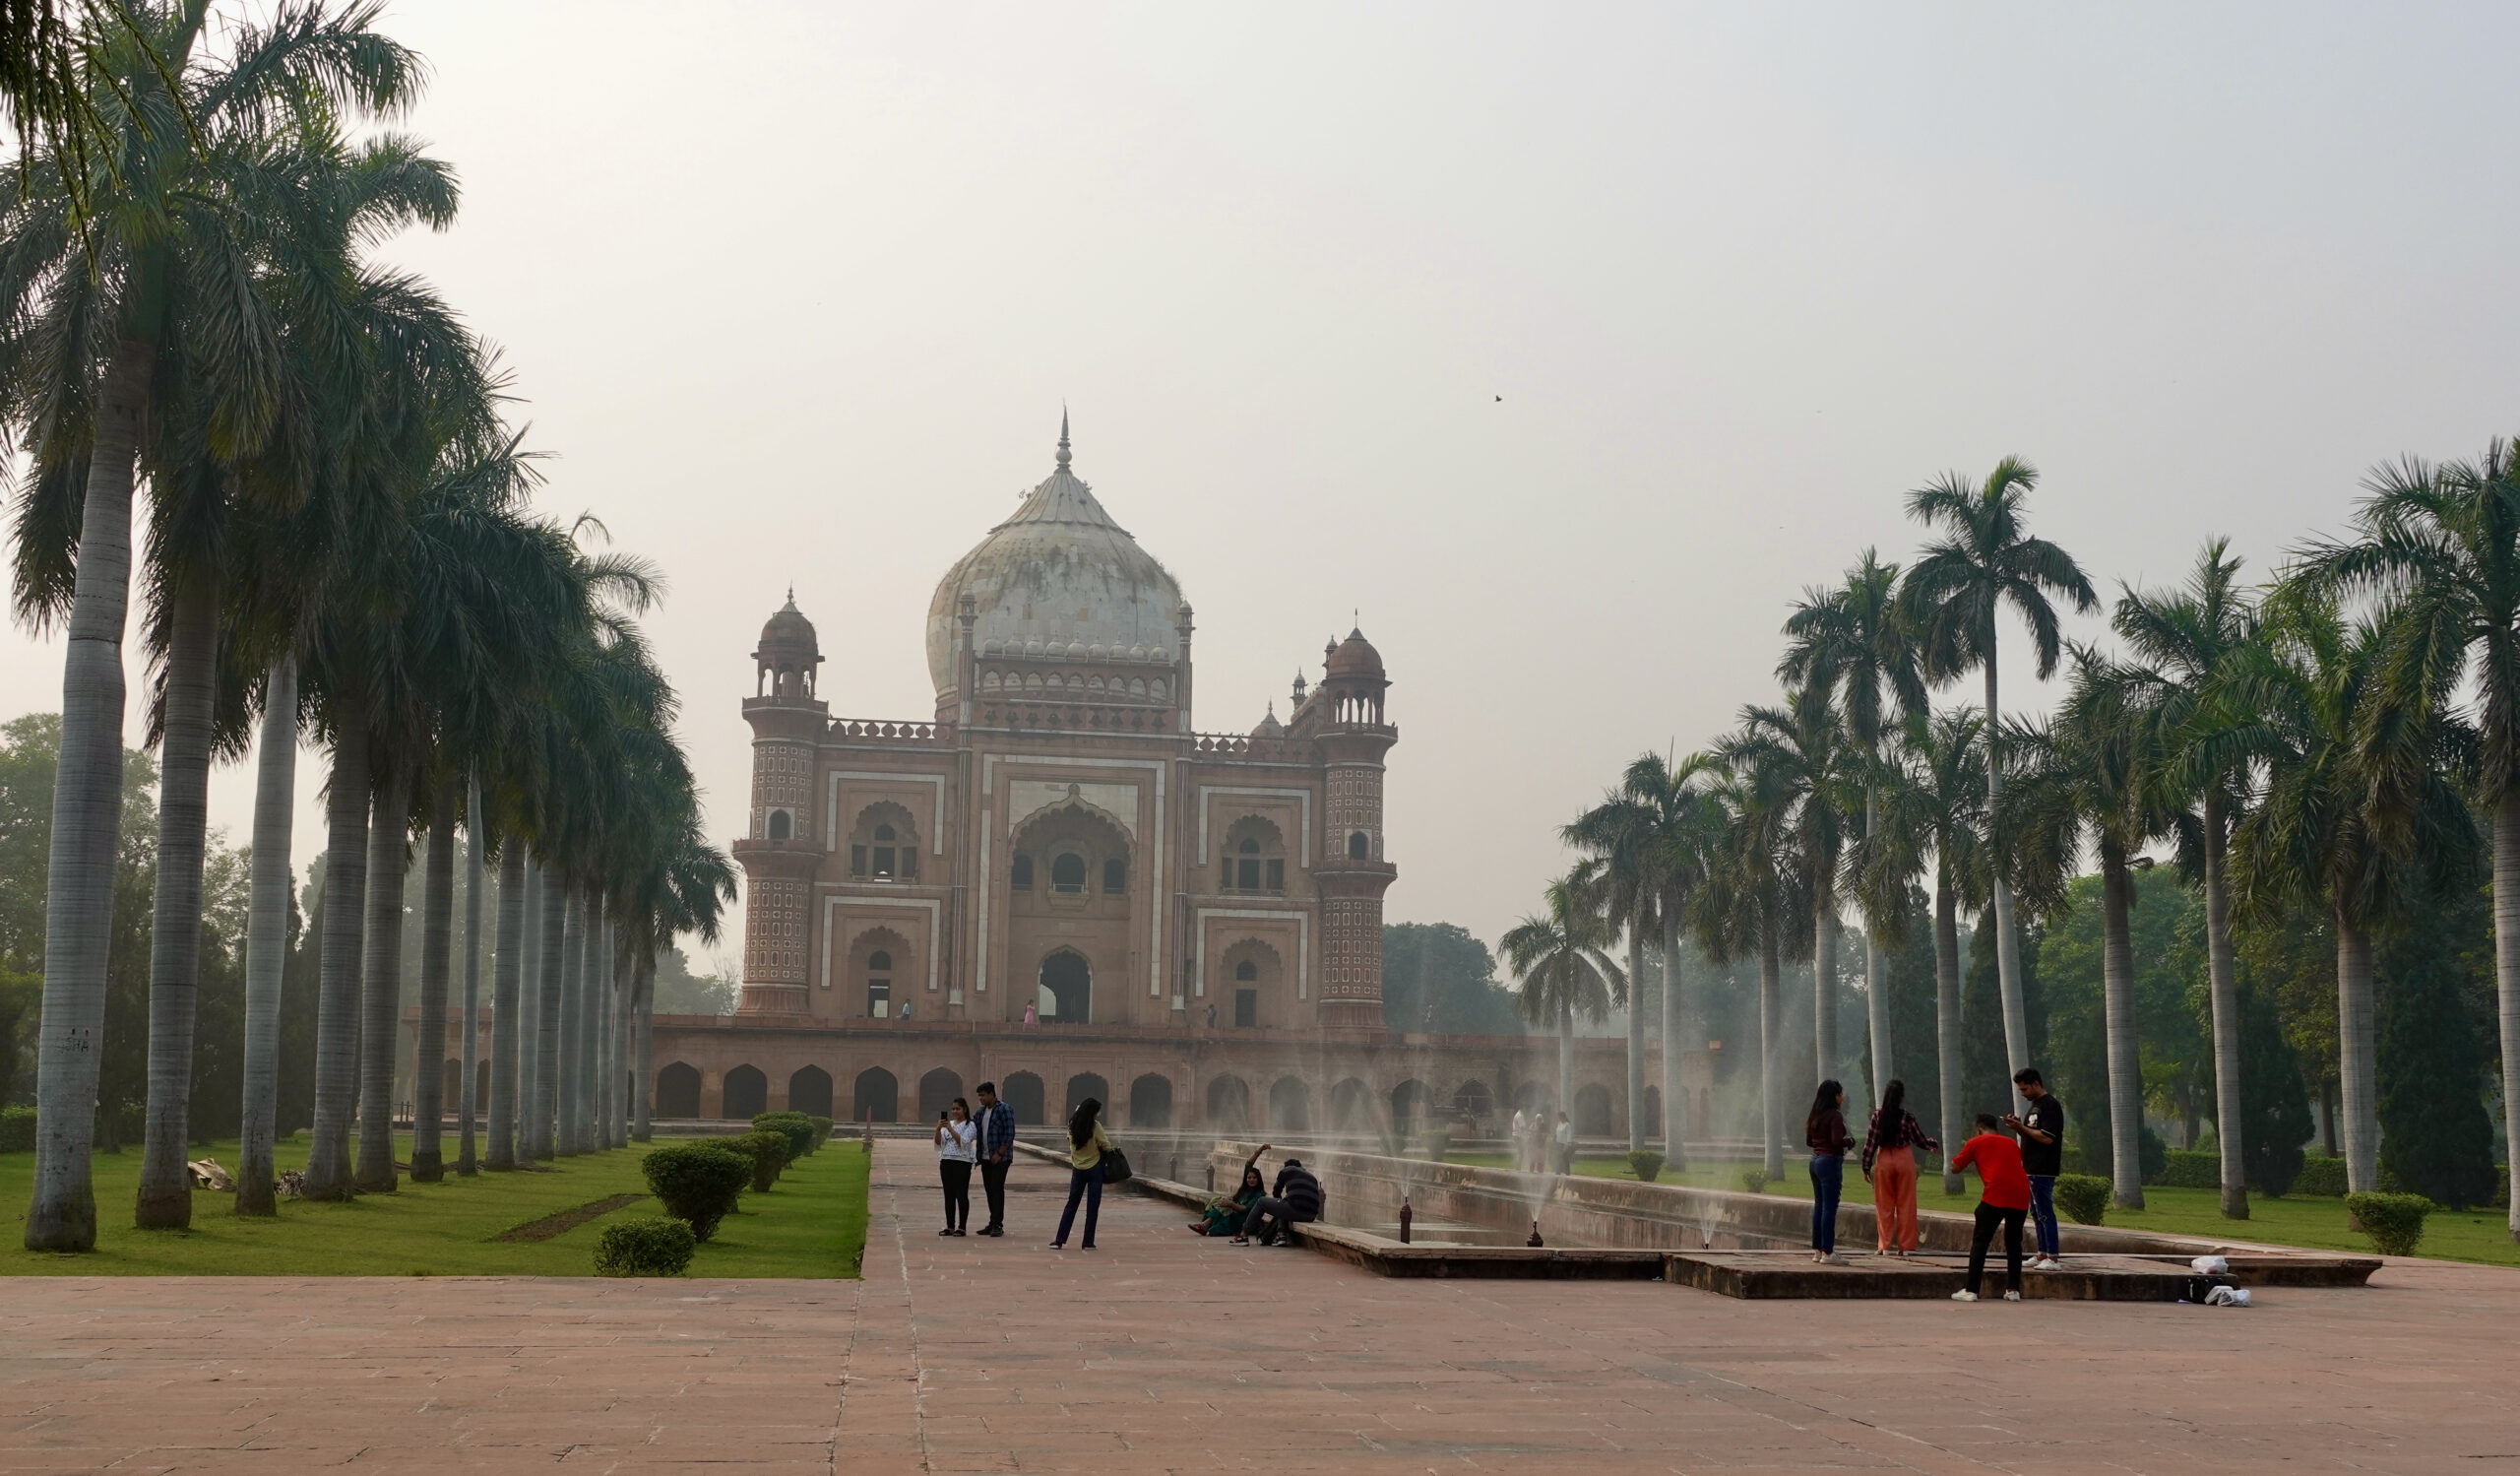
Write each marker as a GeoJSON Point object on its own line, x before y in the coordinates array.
{"type": "Point", "coordinates": [1085, 1147]}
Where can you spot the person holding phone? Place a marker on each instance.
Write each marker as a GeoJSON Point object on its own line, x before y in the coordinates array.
{"type": "Point", "coordinates": [958, 1147]}
{"type": "Point", "coordinates": [2043, 1157]}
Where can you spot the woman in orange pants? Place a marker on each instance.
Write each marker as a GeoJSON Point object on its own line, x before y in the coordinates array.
{"type": "Point", "coordinates": [1890, 1165]}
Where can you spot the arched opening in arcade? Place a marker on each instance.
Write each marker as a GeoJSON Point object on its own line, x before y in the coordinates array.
{"type": "Point", "coordinates": [1412, 1107]}
{"type": "Point", "coordinates": [677, 1091]}
{"type": "Point", "coordinates": [1151, 1102]}
{"type": "Point", "coordinates": [1593, 1111]}
{"type": "Point", "coordinates": [1228, 1104]}
{"type": "Point", "coordinates": [747, 1094]}
{"type": "Point", "coordinates": [1352, 1106]}
{"type": "Point", "coordinates": [1289, 1106]}
{"type": "Point", "coordinates": [1474, 1102]}
{"type": "Point", "coordinates": [1023, 1093]}
{"type": "Point", "coordinates": [936, 1091]}
{"type": "Point", "coordinates": [809, 1091]}
{"type": "Point", "coordinates": [1067, 987]}
{"type": "Point", "coordinates": [877, 1097]}
{"type": "Point", "coordinates": [1083, 1085]}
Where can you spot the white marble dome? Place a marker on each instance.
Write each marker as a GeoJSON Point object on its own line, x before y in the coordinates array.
{"type": "Point", "coordinates": [1058, 574]}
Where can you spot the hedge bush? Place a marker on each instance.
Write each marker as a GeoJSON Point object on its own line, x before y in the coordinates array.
{"type": "Point", "coordinates": [2394, 1222]}
{"type": "Point", "coordinates": [798, 1127]}
{"type": "Point", "coordinates": [1645, 1164]}
{"type": "Point", "coordinates": [16, 1130]}
{"type": "Point", "coordinates": [822, 1131]}
{"type": "Point", "coordinates": [697, 1182]}
{"type": "Point", "coordinates": [768, 1152]}
{"type": "Point", "coordinates": [652, 1246]}
{"type": "Point", "coordinates": [2320, 1176]}
{"type": "Point", "coordinates": [2190, 1170]}
{"type": "Point", "coordinates": [2082, 1198]}
{"type": "Point", "coordinates": [1756, 1181]}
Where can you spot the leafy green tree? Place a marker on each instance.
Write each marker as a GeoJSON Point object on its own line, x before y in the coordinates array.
{"type": "Point", "coordinates": [1803, 747]}
{"type": "Point", "coordinates": [680, 992]}
{"type": "Point", "coordinates": [1436, 978]}
{"type": "Point", "coordinates": [1746, 908]}
{"type": "Point", "coordinates": [2275, 1102]}
{"type": "Point", "coordinates": [1953, 598]}
{"type": "Point", "coordinates": [2436, 1137]}
{"type": "Point", "coordinates": [1557, 955]}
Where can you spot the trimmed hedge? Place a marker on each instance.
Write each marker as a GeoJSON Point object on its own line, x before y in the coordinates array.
{"type": "Point", "coordinates": [2394, 1222]}
{"type": "Point", "coordinates": [1754, 1181]}
{"type": "Point", "coordinates": [1645, 1164]}
{"type": "Point", "coordinates": [697, 1182]}
{"type": "Point", "coordinates": [768, 1152]}
{"type": "Point", "coordinates": [822, 1131]}
{"type": "Point", "coordinates": [798, 1127]}
{"type": "Point", "coordinates": [16, 1130]}
{"type": "Point", "coordinates": [2190, 1170]}
{"type": "Point", "coordinates": [2320, 1176]}
{"type": "Point", "coordinates": [2082, 1198]}
{"type": "Point", "coordinates": [652, 1246]}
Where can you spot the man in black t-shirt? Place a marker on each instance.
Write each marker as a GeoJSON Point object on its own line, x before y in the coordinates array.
{"type": "Point", "coordinates": [2041, 1132]}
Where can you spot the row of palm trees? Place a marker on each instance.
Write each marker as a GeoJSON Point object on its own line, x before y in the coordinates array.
{"type": "Point", "coordinates": [2345, 738]}
{"type": "Point", "coordinates": [339, 544]}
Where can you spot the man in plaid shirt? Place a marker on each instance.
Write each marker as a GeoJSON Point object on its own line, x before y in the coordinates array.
{"type": "Point", "coordinates": [997, 1154]}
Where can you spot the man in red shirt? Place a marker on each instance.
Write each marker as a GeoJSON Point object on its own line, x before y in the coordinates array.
{"type": "Point", "coordinates": [2003, 1200]}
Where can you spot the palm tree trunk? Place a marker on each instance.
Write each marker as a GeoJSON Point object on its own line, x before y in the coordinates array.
{"type": "Point", "coordinates": [1565, 1067]}
{"type": "Point", "coordinates": [1674, 1044]}
{"type": "Point", "coordinates": [1635, 1038]}
{"type": "Point", "coordinates": [2007, 941]}
{"type": "Point", "coordinates": [2354, 1033]}
{"type": "Point", "coordinates": [428, 1051]}
{"type": "Point", "coordinates": [86, 821]}
{"type": "Point", "coordinates": [547, 1024]}
{"type": "Point", "coordinates": [529, 1011]}
{"type": "Point", "coordinates": [1824, 978]}
{"type": "Point", "coordinates": [328, 1158]}
{"type": "Point", "coordinates": [1946, 1019]}
{"type": "Point", "coordinates": [1771, 1047]}
{"type": "Point", "coordinates": [2118, 1001]}
{"type": "Point", "coordinates": [165, 1199]}
{"type": "Point", "coordinates": [2223, 985]}
{"type": "Point", "coordinates": [381, 1008]}
{"type": "Point", "coordinates": [466, 1160]}
{"type": "Point", "coordinates": [506, 982]}
{"type": "Point", "coordinates": [267, 939]}
{"type": "Point", "coordinates": [573, 964]}
{"type": "Point", "coordinates": [643, 1023]}
{"type": "Point", "coordinates": [600, 1019]}
{"type": "Point", "coordinates": [1877, 969]}
{"type": "Point", "coordinates": [2506, 965]}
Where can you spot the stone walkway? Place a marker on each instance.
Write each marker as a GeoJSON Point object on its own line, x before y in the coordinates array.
{"type": "Point", "coordinates": [1164, 1352]}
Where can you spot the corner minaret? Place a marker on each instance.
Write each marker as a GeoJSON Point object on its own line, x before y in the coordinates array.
{"type": "Point", "coordinates": [1353, 875]}
{"type": "Point", "coordinates": [781, 848]}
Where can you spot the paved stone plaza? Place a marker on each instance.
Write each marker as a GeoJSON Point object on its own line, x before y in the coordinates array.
{"type": "Point", "coordinates": [1162, 1352]}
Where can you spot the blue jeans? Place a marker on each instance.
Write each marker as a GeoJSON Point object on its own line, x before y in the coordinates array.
{"type": "Point", "coordinates": [2043, 1211]}
{"type": "Point", "coordinates": [1085, 1183]}
{"type": "Point", "coordinates": [1828, 1177]}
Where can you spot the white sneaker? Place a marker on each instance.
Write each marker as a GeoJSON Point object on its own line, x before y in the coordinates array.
{"type": "Point", "coordinates": [2047, 1264]}
{"type": "Point", "coordinates": [1833, 1258]}
{"type": "Point", "coordinates": [2012, 1295]}
{"type": "Point", "coordinates": [1964, 1296]}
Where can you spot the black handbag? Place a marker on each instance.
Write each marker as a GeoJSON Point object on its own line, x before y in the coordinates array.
{"type": "Point", "coordinates": [1115, 1167]}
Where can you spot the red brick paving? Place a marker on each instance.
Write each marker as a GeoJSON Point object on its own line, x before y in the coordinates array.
{"type": "Point", "coordinates": [1162, 1352]}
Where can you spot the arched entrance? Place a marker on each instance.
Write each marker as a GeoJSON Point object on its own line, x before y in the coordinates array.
{"type": "Point", "coordinates": [678, 1091]}
{"type": "Point", "coordinates": [1067, 987]}
{"type": "Point", "coordinates": [747, 1094]}
{"type": "Point", "coordinates": [809, 1092]}
{"type": "Point", "coordinates": [1290, 1105]}
{"type": "Point", "coordinates": [878, 1097]}
{"type": "Point", "coordinates": [1151, 1102]}
{"type": "Point", "coordinates": [1593, 1111]}
{"type": "Point", "coordinates": [1228, 1104]}
{"type": "Point", "coordinates": [1024, 1098]}
{"type": "Point", "coordinates": [1084, 1085]}
{"type": "Point", "coordinates": [936, 1090]}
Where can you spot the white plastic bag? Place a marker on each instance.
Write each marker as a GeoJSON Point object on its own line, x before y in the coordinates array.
{"type": "Point", "coordinates": [2228, 1296]}
{"type": "Point", "coordinates": [2209, 1265]}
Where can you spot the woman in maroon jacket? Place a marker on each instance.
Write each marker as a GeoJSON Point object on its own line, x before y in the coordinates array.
{"type": "Point", "coordinates": [1825, 1132]}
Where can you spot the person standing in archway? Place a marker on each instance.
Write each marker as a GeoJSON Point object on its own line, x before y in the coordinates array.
{"type": "Point", "coordinates": [997, 1155]}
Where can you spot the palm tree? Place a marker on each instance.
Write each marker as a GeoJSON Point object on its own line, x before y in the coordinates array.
{"type": "Point", "coordinates": [1644, 835]}
{"type": "Point", "coordinates": [1746, 904]}
{"type": "Point", "coordinates": [1952, 597]}
{"type": "Point", "coordinates": [267, 940]}
{"type": "Point", "coordinates": [2086, 777]}
{"type": "Point", "coordinates": [468, 1160]}
{"type": "Point", "coordinates": [1852, 641]}
{"type": "Point", "coordinates": [2440, 545]}
{"type": "Point", "coordinates": [1804, 744]}
{"type": "Point", "coordinates": [1558, 955]}
{"type": "Point", "coordinates": [507, 979]}
{"type": "Point", "coordinates": [438, 908]}
{"type": "Point", "coordinates": [2194, 639]}
{"type": "Point", "coordinates": [2356, 813]}
{"type": "Point", "coordinates": [133, 306]}
{"type": "Point", "coordinates": [1934, 803]}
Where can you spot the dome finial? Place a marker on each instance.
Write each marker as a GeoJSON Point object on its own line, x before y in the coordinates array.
{"type": "Point", "coordinates": [1063, 452]}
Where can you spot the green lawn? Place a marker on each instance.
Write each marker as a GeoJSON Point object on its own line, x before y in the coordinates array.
{"type": "Point", "coordinates": [2314, 1222]}
{"type": "Point", "coordinates": [811, 1224]}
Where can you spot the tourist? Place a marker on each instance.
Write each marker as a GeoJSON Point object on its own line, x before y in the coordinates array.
{"type": "Point", "coordinates": [1032, 1013]}
{"type": "Point", "coordinates": [906, 1005]}
{"type": "Point", "coordinates": [1296, 1198]}
{"type": "Point", "coordinates": [2003, 1198]}
{"type": "Point", "coordinates": [958, 1140]}
{"type": "Point", "coordinates": [1522, 1141]}
{"type": "Point", "coordinates": [997, 1155]}
{"type": "Point", "coordinates": [1824, 1128]}
{"type": "Point", "coordinates": [1086, 1144]}
{"type": "Point", "coordinates": [1564, 1141]}
{"type": "Point", "coordinates": [1225, 1214]}
{"type": "Point", "coordinates": [1890, 1167]}
{"type": "Point", "coordinates": [2043, 1158]}
{"type": "Point", "coordinates": [1212, 1017]}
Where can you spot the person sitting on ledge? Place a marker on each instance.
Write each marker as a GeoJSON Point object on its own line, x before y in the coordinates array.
{"type": "Point", "coordinates": [1226, 1213]}
{"type": "Point", "coordinates": [1295, 1200]}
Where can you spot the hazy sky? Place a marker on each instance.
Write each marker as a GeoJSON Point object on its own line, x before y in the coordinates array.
{"type": "Point", "coordinates": [795, 294]}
